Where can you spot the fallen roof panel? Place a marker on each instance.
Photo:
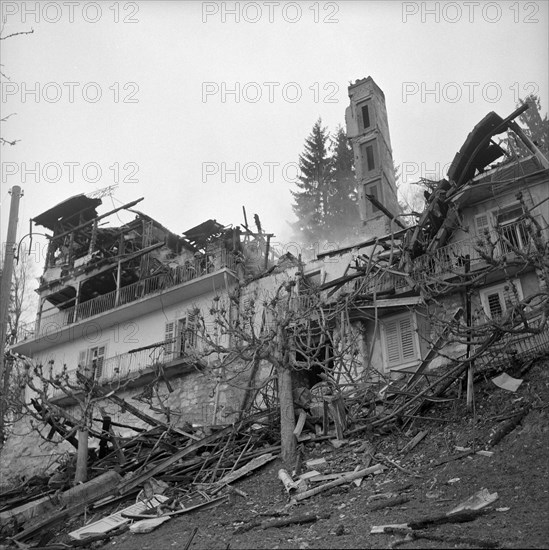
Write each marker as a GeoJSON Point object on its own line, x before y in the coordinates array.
{"type": "Point", "coordinates": [66, 208]}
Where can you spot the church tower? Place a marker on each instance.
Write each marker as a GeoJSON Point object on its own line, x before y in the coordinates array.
{"type": "Point", "coordinates": [368, 131]}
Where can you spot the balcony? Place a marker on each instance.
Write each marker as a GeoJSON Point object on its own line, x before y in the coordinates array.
{"type": "Point", "coordinates": [139, 290]}
{"type": "Point", "coordinates": [181, 283]}
{"type": "Point", "coordinates": [139, 367]}
{"type": "Point", "coordinates": [451, 260]}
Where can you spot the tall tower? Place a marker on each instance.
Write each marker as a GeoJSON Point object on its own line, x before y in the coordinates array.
{"type": "Point", "coordinates": [368, 130]}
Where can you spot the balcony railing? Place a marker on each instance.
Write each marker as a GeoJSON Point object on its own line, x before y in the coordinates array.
{"type": "Point", "coordinates": [120, 368]}
{"type": "Point", "coordinates": [382, 281]}
{"type": "Point", "coordinates": [524, 346]}
{"type": "Point", "coordinates": [131, 293]}
{"type": "Point", "coordinates": [452, 259]}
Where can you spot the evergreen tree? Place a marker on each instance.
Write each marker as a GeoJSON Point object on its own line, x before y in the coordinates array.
{"type": "Point", "coordinates": [325, 202]}
{"type": "Point", "coordinates": [343, 217]}
{"type": "Point", "coordinates": [535, 127]}
{"type": "Point", "coordinates": [311, 199]}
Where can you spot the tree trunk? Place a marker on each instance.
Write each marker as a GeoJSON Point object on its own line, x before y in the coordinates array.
{"type": "Point", "coordinates": [287, 415]}
{"type": "Point", "coordinates": [82, 457]}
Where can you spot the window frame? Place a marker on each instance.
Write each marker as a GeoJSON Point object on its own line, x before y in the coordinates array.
{"type": "Point", "coordinates": [371, 209]}
{"type": "Point", "coordinates": [492, 215]}
{"type": "Point", "coordinates": [371, 115]}
{"type": "Point", "coordinates": [180, 336]}
{"type": "Point", "coordinates": [406, 362]}
{"type": "Point", "coordinates": [366, 170]}
{"type": "Point", "coordinates": [88, 359]}
{"type": "Point", "coordinates": [485, 293]}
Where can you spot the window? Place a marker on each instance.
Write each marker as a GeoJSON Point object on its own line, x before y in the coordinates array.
{"type": "Point", "coordinates": [401, 346]}
{"type": "Point", "coordinates": [370, 158]}
{"type": "Point", "coordinates": [90, 362]}
{"type": "Point", "coordinates": [512, 232]}
{"type": "Point", "coordinates": [372, 189]}
{"type": "Point", "coordinates": [169, 335]}
{"type": "Point", "coordinates": [482, 223]}
{"type": "Point", "coordinates": [180, 336]}
{"type": "Point", "coordinates": [512, 229]}
{"type": "Point", "coordinates": [312, 280]}
{"type": "Point", "coordinates": [495, 299]}
{"type": "Point", "coordinates": [365, 117]}
{"type": "Point", "coordinates": [368, 155]}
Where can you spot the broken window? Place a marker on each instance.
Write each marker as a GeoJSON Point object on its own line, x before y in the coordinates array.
{"type": "Point", "coordinates": [512, 229]}
{"type": "Point", "coordinates": [312, 280]}
{"type": "Point", "coordinates": [400, 340]}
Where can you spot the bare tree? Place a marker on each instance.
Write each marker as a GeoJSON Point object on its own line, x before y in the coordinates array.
{"type": "Point", "coordinates": [44, 385]}
{"type": "Point", "coordinates": [4, 141]}
{"type": "Point", "coordinates": [22, 304]}
{"type": "Point", "coordinates": [291, 329]}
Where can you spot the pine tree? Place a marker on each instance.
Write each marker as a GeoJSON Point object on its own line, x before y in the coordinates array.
{"type": "Point", "coordinates": [326, 200]}
{"type": "Point", "coordinates": [312, 197]}
{"type": "Point", "coordinates": [535, 127]}
{"type": "Point", "coordinates": [343, 217]}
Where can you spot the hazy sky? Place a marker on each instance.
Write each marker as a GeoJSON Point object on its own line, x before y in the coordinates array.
{"type": "Point", "coordinates": [142, 91]}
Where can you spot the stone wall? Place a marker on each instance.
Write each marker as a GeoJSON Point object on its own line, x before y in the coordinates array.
{"type": "Point", "coordinates": [25, 454]}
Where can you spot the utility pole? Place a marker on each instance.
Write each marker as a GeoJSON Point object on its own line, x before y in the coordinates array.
{"type": "Point", "coordinates": [5, 293]}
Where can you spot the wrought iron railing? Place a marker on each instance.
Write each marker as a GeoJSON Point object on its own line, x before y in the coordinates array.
{"type": "Point", "coordinates": [522, 346]}
{"type": "Point", "coordinates": [49, 322]}
{"type": "Point", "coordinates": [117, 369]}
{"type": "Point", "coordinates": [453, 258]}
{"type": "Point", "coordinates": [376, 283]}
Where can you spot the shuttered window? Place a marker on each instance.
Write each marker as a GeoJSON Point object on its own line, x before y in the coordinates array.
{"type": "Point", "coordinates": [98, 355]}
{"type": "Point", "coordinates": [180, 336]}
{"type": "Point", "coordinates": [493, 298]}
{"type": "Point", "coordinates": [86, 360]}
{"type": "Point", "coordinates": [169, 335]}
{"type": "Point", "coordinates": [192, 328]}
{"type": "Point", "coordinates": [401, 346]}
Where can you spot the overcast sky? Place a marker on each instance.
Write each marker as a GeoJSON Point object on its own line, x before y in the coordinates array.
{"type": "Point", "coordinates": [142, 92]}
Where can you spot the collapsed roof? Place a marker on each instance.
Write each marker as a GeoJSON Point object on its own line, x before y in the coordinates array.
{"type": "Point", "coordinates": [68, 209]}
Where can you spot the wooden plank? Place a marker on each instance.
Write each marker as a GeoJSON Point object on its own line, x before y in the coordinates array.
{"type": "Point", "coordinates": [241, 472]}
{"type": "Point", "coordinates": [345, 479]}
{"type": "Point", "coordinates": [415, 441]}
{"type": "Point", "coordinates": [193, 447]}
{"type": "Point", "coordinates": [389, 503]}
{"type": "Point", "coordinates": [300, 423]}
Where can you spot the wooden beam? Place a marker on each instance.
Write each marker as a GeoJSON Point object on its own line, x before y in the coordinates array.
{"type": "Point", "coordinates": [381, 207]}
{"type": "Point", "coordinates": [94, 220]}
{"type": "Point", "coordinates": [190, 449]}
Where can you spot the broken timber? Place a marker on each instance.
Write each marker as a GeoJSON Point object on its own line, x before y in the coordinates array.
{"type": "Point", "coordinates": [345, 479]}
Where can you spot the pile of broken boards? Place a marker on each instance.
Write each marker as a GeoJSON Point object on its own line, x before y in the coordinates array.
{"type": "Point", "coordinates": [165, 471]}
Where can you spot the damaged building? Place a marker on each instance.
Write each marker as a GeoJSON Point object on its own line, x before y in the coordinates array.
{"type": "Point", "coordinates": [119, 304]}
{"type": "Point", "coordinates": [136, 307]}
